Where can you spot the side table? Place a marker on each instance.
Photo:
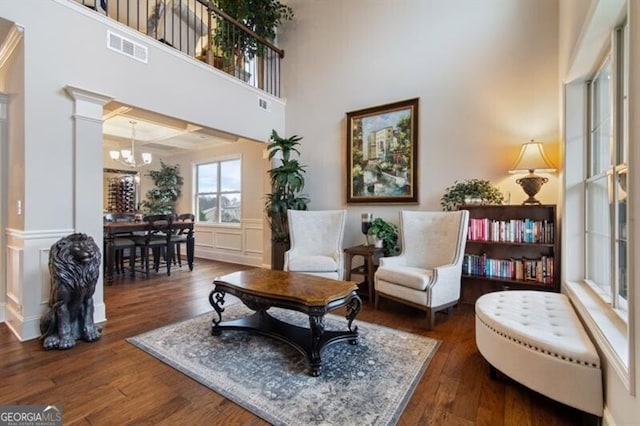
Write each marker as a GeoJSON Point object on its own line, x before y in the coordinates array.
{"type": "Point", "coordinates": [370, 255]}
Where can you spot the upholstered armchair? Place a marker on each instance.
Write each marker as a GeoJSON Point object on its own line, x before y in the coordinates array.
{"type": "Point", "coordinates": [316, 242]}
{"type": "Point", "coordinates": [427, 272]}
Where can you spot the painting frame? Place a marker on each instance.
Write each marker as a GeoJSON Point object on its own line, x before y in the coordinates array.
{"type": "Point", "coordinates": [382, 153]}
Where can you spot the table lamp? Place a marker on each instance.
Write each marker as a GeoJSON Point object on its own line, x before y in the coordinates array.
{"type": "Point", "coordinates": [532, 158]}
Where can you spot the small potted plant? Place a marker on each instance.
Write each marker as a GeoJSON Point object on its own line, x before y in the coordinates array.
{"type": "Point", "coordinates": [387, 233]}
{"type": "Point", "coordinates": [471, 191]}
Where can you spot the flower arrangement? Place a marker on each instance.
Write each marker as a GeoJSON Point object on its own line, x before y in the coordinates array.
{"type": "Point", "coordinates": [471, 190]}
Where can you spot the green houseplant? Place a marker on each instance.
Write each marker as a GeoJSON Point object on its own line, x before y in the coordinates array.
{"type": "Point", "coordinates": [260, 16]}
{"type": "Point", "coordinates": [167, 189]}
{"type": "Point", "coordinates": [287, 181]}
{"type": "Point", "coordinates": [388, 233]}
{"type": "Point", "coordinates": [476, 191]}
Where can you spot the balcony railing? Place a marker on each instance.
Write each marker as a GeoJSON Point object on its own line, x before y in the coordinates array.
{"type": "Point", "coordinates": [200, 30]}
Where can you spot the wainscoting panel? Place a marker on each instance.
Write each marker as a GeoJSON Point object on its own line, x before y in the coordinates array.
{"type": "Point", "coordinates": [45, 281]}
{"type": "Point", "coordinates": [28, 285]}
{"type": "Point", "coordinates": [14, 277]}
{"type": "Point", "coordinates": [241, 245]}
{"type": "Point", "coordinates": [253, 237]}
{"type": "Point", "coordinates": [203, 237]}
{"type": "Point", "coordinates": [225, 240]}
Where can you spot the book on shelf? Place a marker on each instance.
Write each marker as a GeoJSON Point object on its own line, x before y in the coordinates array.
{"type": "Point", "coordinates": [511, 231]}
{"type": "Point", "coordinates": [539, 270]}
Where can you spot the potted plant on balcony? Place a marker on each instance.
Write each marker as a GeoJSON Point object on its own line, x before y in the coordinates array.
{"type": "Point", "coordinates": [287, 182]}
{"type": "Point", "coordinates": [471, 191]}
{"type": "Point", "coordinates": [236, 46]}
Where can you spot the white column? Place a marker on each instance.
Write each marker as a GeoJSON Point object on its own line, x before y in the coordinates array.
{"type": "Point", "coordinates": [88, 165]}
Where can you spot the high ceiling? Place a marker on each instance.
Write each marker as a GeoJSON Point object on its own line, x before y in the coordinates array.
{"type": "Point", "coordinates": [156, 133]}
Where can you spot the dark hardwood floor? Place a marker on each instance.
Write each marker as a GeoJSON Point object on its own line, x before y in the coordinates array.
{"type": "Point", "coordinates": [112, 382]}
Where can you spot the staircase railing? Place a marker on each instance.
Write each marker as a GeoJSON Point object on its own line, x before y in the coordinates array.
{"type": "Point", "coordinates": [202, 31]}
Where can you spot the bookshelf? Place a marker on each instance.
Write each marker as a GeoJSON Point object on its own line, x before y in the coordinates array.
{"type": "Point", "coordinates": [510, 247]}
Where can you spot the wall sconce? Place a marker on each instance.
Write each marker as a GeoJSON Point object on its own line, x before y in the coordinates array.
{"type": "Point", "coordinates": [532, 158]}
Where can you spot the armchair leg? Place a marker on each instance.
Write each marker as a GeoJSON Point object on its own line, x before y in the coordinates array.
{"type": "Point", "coordinates": [431, 318]}
{"type": "Point", "coordinates": [377, 302]}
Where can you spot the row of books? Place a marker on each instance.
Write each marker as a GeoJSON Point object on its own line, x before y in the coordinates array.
{"type": "Point", "coordinates": [511, 231]}
{"type": "Point", "coordinates": [540, 270]}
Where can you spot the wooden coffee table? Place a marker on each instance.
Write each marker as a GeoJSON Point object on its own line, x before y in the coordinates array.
{"type": "Point", "coordinates": [260, 289]}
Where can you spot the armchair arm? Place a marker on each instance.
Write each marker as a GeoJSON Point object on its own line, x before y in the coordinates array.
{"type": "Point", "coordinates": [446, 273]}
{"type": "Point", "coordinates": [393, 261]}
{"type": "Point", "coordinates": [445, 286]}
{"type": "Point", "coordinates": [339, 257]}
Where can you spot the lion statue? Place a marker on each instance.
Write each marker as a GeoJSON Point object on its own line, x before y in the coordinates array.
{"type": "Point", "coordinates": [74, 266]}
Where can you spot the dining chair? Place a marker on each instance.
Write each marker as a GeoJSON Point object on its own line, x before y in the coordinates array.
{"type": "Point", "coordinates": [156, 242]}
{"type": "Point", "coordinates": [180, 236]}
{"type": "Point", "coordinates": [124, 245]}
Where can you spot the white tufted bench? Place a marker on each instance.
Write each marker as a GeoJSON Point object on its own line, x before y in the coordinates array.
{"type": "Point", "coordinates": [536, 338]}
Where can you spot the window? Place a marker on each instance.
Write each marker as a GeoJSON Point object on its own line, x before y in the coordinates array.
{"type": "Point", "coordinates": [605, 184]}
{"type": "Point", "coordinates": [218, 191]}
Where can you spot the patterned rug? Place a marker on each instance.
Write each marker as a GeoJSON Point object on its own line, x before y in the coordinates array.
{"type": "Point", "coordinates": [365, 384]}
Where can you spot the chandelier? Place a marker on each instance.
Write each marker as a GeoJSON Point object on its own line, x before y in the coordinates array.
{"type": "Point", "coordinates": [129, 155]}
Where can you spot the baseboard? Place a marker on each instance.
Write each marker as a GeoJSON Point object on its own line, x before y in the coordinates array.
{"type": "Point", "coordinates": [23, 328]}
{"type": "Point", "coordinates": [229, 257]}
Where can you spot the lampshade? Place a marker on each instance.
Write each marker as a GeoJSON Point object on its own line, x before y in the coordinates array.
{"type": "Point", "coordinates": [532, 157]}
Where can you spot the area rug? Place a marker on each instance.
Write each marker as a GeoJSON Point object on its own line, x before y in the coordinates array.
{"type": "Point", "coordinates": [365, 384]}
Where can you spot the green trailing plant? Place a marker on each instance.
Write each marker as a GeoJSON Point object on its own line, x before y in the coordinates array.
{"type": "Point", "coordinates": [161, 199]}
{"type": "Point", "coordinates": [287, 181]}
{"type": "Point", "coordinates": [260, 16]}
{"type": "Point", "coordinates": [388, 233]}
{"type": "Point", "coordinates": [479, 190]}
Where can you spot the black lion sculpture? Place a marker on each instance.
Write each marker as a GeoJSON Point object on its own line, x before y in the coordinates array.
{"type": "Point", "coordinates": [74, 266]}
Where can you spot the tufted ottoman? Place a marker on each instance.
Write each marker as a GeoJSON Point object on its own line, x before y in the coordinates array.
{"type": "Point", "coordinates": [536, 338]}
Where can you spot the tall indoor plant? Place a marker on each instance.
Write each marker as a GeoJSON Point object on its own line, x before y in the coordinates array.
{"type": "Point", "coordinates": [260, 16]}
{"type": "Point", "coordinates": [287, 181]}
{"type": "Point", "coordinates": [161, 199]}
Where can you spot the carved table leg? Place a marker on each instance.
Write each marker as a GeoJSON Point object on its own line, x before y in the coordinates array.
{"type": "Point", "coordinates": [353, 307]}
{"type": "Point", "coordinates": [316, 323]}
{"type": "Point", "coordinates": [216, 299]}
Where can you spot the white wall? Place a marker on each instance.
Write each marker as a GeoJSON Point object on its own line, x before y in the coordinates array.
{"type": "Point", "coordinates": [52, 57]}
{"type": "Point", "coordinates": [486, 73]}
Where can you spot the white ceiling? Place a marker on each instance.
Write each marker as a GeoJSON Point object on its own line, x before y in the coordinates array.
{"type": "Point", "coordinates": [156, 133]}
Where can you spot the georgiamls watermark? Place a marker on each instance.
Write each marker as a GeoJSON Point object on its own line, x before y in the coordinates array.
{"type": "Point", "coordinates": [30, 415]}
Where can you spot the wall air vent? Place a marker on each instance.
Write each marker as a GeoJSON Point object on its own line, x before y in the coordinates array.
{"type": "Point", "coordinates": [264, 104]}
{"type": "Point", "coordinates": [127, 47]}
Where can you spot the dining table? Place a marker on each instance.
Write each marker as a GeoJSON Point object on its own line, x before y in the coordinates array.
{"type": "Point", "coordinates": [113, 229]}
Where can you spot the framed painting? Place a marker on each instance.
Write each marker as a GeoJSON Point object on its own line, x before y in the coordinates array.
{"type": "Point", "coordinates": [382, 151]}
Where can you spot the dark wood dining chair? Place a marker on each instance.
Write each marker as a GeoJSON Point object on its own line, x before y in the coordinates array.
{"type": "Point", "coordinates": [124, 246]}
{"type": "Point", "coordinates": [180, 236]}
{"type": "Point", "coordinates": [156, 242]}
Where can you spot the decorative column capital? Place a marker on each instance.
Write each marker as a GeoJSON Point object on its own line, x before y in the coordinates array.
{"type": "Point", "coordinates": [88, 103]}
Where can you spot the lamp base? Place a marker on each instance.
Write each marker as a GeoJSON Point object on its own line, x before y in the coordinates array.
{"type": "Point", "coordinates": [531, 185]}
